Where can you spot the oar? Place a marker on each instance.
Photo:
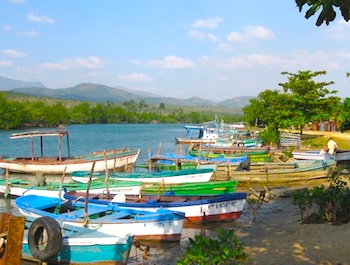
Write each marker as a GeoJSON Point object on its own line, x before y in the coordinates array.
{"type": "Point", "coordinates": [86, 214]}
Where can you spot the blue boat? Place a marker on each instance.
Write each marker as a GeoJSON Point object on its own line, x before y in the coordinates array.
{"type": "Point", "coordinates": [46, 241]}
{"type": "Point", "coordinates": [162, 225]}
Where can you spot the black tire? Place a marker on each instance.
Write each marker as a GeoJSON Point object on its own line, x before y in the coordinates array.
{"type": "Point", "coordinates": [44, 252]}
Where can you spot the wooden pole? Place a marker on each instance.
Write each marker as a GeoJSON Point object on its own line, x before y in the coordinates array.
{"type": "Point", "coordinates": [86, 205]}
{"type": "Point", "coordinates": [106, 172]}
{"type": "Point", "coordinates": [61, 184]}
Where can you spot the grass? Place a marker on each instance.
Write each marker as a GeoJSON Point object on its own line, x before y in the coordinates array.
{"type": "Point", "coordinates": [320, 141]}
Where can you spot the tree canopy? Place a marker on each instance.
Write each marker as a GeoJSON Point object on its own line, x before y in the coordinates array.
{"type": "Point", "coordinates": [327, 7]}
{"type": "Point", "coordinates": [302, 100]}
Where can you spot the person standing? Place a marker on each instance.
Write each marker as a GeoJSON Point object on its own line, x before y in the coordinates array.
{"type": "Point", "coordinates": [332, 146]}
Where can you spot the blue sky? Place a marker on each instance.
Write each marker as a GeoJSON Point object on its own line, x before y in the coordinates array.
{"type": "Point", "coordinates": [213, 49]}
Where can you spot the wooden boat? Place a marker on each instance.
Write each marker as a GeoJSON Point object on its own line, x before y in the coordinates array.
{"type": "Point", "coordinates": [16, 187]}
{"type": "Point", "coordinates": [230, 150]}
{"type": "Point", "coordinates": [208, 156]}
{"type": "Point", "coordinates": [198, 188]}
{"type": "Point", "coordinates": [46, 241]}
{"type": "Point", "coordinates": [276, 173]}
{"type": "Point", "coordinates": [179, 176]}
{"type": "Point", "coordinates": [116, 160]}
{"type": "Point", "coordinates": [198, 209]}
{"type": "Point", "coordinates": [310, 154]}
{"type": "Point", "coordinates": [342, 155]}
{"type": "Point", "coordinates": [162, 225]}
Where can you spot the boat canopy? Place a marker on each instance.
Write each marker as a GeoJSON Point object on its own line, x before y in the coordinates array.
{"type": "Point", "coordinates": [41, 134]}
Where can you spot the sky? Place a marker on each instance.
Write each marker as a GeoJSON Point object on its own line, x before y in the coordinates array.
{"type": "Point", "coordinates": [212, 49]}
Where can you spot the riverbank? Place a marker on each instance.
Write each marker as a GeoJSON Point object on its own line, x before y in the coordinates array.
{"type": "Point", "coordinates": [276, 237]}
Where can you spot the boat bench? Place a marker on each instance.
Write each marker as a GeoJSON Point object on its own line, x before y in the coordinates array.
{"type": "Point", "coordinates": [80, 213]}
{"type": "Point", "coordinates": [43, 204]}
{"type": "Point", "coordinates": [114, 216]}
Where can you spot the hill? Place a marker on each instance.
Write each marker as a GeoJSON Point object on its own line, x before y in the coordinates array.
{"type": "Point", "coordinates": [103, 93]}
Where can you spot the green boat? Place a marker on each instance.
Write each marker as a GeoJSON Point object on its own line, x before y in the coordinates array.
{"type": "Point", "coordinates": [254, 156]}
{"type": "Point", "coordinates": [196, 189]}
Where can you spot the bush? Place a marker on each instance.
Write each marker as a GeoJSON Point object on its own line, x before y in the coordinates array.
{"type": "Point", "coordinates": [225, 250]}
{"type": "Point", "coordinates": [321, 204]}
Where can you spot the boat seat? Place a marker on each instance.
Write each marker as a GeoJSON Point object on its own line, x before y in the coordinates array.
{"type": "Point", "coordinates": [80, 213]}
{"type": "Point", "coordinates": [43, 204]}
{"type": "Point", "coordinates": [114, 216]}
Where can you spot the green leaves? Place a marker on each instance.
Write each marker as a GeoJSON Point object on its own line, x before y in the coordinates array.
{"type": "Point", "coordinates": [328, 13]}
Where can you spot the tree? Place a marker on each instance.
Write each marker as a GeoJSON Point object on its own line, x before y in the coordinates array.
{"type": "Point", "coordinates": [327, 13]}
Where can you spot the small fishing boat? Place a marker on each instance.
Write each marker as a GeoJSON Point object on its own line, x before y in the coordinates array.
{"type": "Point", "coordinates": [277, 173]}
{"type": "Point", "coordinates": [311, 155]}
{"type": "Point", "coordinates": [162, 225]}
{"type": "Point", "coordinates": [198, 209]}
{"type": "Point", "coordinates": [210, 156]}
{"type": "Point", "coordinates": [198, 188]}
{"type": "Point", "coordinates": [116, 160]}
{"type": "Point", "coordinates": [16, 187]}
{"type": "Point", "coordinates": [45, 240]}
{"type": "Point", "coordinates": [198, 134]}
{"type": "Point", "coordinates": [178, 176]}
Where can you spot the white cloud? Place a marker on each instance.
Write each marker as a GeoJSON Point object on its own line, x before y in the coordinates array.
{"type": "Point", "coordinates": [40, 19]}
{"type": "Point", "coordinates": [339, 30]}
{"type": "Point", "coordinates": [251, 32]}
{"type": "Point", "coordinates": [91, 62]}
{"type": "Point", "coordinates": [224, 47]}
{"type": "Point", "coordinates": [17, 1]}
{"type": "Point", "coordinates": [135, 77]}
{"type": "Point", "coordinates": [5, 63]}
{"type": "Point", "coordinates": [169, 62]}
{"type": "Point", "coordinates": [13, 53]}
{"type": "Point", "coordinates": [202, 36]}
{"type": "Point", "coordinates": [210, 23]}
{"type": "Point", "coordinates": [31, 33]}
{"type": "Point", "coordinates": [7, 28]}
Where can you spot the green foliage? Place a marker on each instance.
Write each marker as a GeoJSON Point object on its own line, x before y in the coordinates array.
{"type": "Point", "coordinates": [226, 249]}
{"type": "Point", "coordinates": [302, 100]}
{"type": "Point", "coordinates": [325, 204]}
{"type": "Point", "coordinates": [327, 7]}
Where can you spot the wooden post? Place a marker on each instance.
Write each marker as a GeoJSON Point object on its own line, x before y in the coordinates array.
{"type": "Point", "coordinates": [86, 205]}
{"type": "Point", "coordinates": [106, 173]}
{"type": "Point", "coordinates": [61, 184]}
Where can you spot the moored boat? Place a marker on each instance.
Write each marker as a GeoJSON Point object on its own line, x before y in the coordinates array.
{"type": "Point", "coordinates": [16, 187]}
{"type": "Point", "coordinates": [197, 209]}
{"type": "Point", "coordinates": [162, 225]}
{"type": "Point", "coordinates": [178, 176]}
{"type": "Point", "coordinates": [46, 241]}
{"type": "Point", "coordinates": [116, 160]}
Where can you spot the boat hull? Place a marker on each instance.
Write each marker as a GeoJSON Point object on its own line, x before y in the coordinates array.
{"type": "Point", "coordinates": [113, 161]}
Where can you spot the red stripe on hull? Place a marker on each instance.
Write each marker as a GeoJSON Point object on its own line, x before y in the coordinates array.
{"type": "Point", "coordinates": [160, 238]}
{"type": "Point", "coordinates": [212, 218]}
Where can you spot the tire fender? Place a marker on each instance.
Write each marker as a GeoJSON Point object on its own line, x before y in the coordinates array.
{"type": "Point", "coordinates": [53, 238]}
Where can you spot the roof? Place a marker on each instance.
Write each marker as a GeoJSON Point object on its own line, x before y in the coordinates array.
{"type": "Point", "coordinates": [58, 133]}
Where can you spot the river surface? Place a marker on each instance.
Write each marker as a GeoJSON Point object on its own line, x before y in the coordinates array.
{"type": "Point", "coordinates": [84, 139]}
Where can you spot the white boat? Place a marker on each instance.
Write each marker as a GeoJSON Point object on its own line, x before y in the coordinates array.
{"type": "Point", "coordinates": [16, 187]}
{"type": "Point", "coordinates": [166, 177]}
{"type": "Point", "coordinates": [198, 134]}
{"type": "Point", "coordinates": [162, 225]}
{"type": "Point", "coordinates": [311, 155]}
{"type": "Point", "coordinates": [117, 160]}
{"type": "Point", "coordinates": [342, 155]}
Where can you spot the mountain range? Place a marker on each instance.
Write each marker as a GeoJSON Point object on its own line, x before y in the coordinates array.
{"type": "Point", "coordinates": [103, 93]}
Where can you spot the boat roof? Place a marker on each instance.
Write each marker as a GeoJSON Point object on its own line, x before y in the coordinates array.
{"type": "Point", "coordinates": [58, 133]}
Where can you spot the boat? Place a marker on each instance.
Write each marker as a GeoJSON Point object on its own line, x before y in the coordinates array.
{"type": "Point", "coordinates": [198, 188]}
{"type": "Point", "coordinates": [45, 240]}
{"type": "Point", "coordinates": [310, 154]}
{"type": "Point", "coordinates": [162, 225]}
{"type": "Point", "coordinates": [296, 171]}
{"type": "Point", "coordinates": [178, 176]}
{"type": "Point", "coordinates": [16, 187]}
{"type": "Point", "coordinates": [207, 156]}
{"type": "Point", "coordinates": [230, 150]}
{"type": "Point", "coordinates": [115, 160]}
{"type": "Point", "coordinates": [198, 134]}
{"type": "Point", "coordinates": [342, 155]}
{"type": "Point", "coordinates": [197, 209]}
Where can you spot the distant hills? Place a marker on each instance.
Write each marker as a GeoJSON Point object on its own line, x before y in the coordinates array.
{"type": "Point", "coordinates": [102, 93]}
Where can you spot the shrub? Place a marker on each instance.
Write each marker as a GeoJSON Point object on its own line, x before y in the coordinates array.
{"type": "Point", "coordinates": [226, 249]}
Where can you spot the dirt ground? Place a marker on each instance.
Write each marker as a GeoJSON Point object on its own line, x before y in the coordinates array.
{"type": "Point", "coordinates": [275, 238]}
